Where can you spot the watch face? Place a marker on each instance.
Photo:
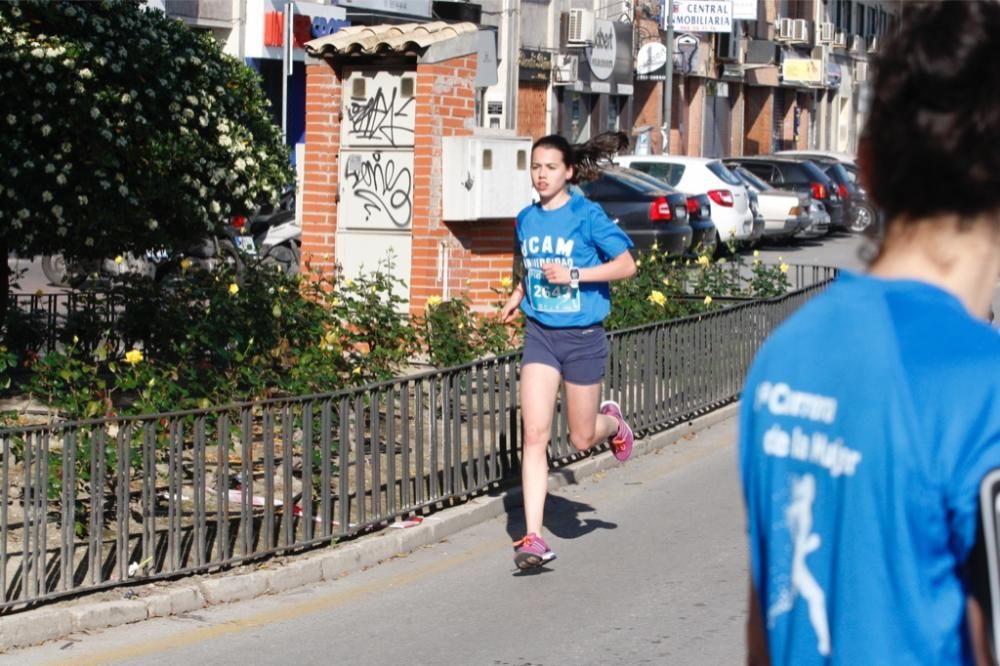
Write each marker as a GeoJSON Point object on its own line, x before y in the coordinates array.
{"type": "Point", "coordinates": [574, 274]}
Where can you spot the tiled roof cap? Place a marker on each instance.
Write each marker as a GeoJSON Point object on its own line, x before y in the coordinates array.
{"type": "Point", "coordinates": [406, 38]}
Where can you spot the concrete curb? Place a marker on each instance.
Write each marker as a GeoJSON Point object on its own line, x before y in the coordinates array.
{"type": "Point", "coordinates": [163, 599]}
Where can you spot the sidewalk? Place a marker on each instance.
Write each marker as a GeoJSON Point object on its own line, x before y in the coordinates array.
{"type": "Point", "coordinates": [133, 604]}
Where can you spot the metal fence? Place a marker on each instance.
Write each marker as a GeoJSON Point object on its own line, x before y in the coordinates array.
{"type": "Point", "coordinates": [93, 504]}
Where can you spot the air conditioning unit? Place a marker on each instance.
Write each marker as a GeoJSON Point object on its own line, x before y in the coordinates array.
{"type": "Point", "coordinates": [858, 44]}
{"type": "Point", "coordinates": [840, 40]}
{"type": "Point", "coordinates": [800, 31]}
{"type": "Point", "coordinates": [873, 44]}
{"type": "Point", "coordinates": [580, 27]}
{"type": "Point", "coordinates": [727, 47]}
{"type": "Point", "coordinates": [783, 29]}
{"type": "Point", "coordinates": [861, 71]}
{"type": "Point", "coordinates": [565, 68]}
{"type": "Point", "coordinates": [825, 33]}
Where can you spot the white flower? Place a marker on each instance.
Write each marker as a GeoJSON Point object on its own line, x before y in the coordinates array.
{"type": "Point", "coordinates": [94, 112]}
{"type": "Point", "coordinates": [16, 224]}
{"type": "Point", "coordinates": [37, 118]}
{"type": "Point", "coordinates": [66, 147]}
{"type": "Point", "coordinates": [224, 140]}
{"type": "Point", "coordinates": [105, 184]}
{"type": "Point", "coordinates": [83, 199]}
{"type": "Point", "coordinates": [188, 113]}
{"type": "Point", "coordinates": [46, 196]}
{"type": "Point", "coordinates": [46, 130]}
{"type": "Point", "coordinates": [50, 168]}
{"type": "Point", "coordinates": [61, 179]}
{"type": "Point", "coordinates": [23, 213]}
{"type": "Point", "coordinates": [37, 52]}
{"type": "Point", "coordinates": [214, 207]}
{"type": "Point", "coordinates": [192, 100]}
{"type": "Point", "coordinates": [123, 190]}
{"type": "Point", "coordinates": [240, 164]}
{"type": "Point", "coordinates": [126, 98]}
{"type": "Point", "coordinates": [89, 242]}
{"type": "Point", "coordinates": [61, 230]}
{"type": "Point", "coordinates": [152, 224]}
{"type": "Point", "coordinates": [57, 210]}
{"type": "Point", "coordinates": [50, 88]}
{"type": "Point", "coordinates": [85, 73]}
{"type": "Point", "coordinates": [11, 119]}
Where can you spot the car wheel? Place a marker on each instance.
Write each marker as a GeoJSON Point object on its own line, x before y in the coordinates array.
{"type": "Point", "coordinates": [863, 218]}
{"type": "Point", "coordinates": [721, 249]}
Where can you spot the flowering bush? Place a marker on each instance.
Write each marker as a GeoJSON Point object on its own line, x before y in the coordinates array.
{"type": "Point", "coordinates": [122, 130]}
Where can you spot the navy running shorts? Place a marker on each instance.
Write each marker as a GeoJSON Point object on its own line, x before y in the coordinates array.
{"type": "Point", "coordinates": [578, 353]}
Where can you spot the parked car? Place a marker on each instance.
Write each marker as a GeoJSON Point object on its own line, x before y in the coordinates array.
{"type": "Point", "coordinates": [785, 212]}
{"type": "Point", "coordinates": [860, 213]}
{"type": "Point", "coordinates": [704, 233]}
{"type": "Point", "coordinates": [843, 158]}
{"type": "Point", "coordinates": [730, 202]}
{"type": "Point", "coordinates": [819, 221]}
{"type": "Point", "coordinates": [648, 212]}
{"type": "Point", "coordinates": [788, 173]}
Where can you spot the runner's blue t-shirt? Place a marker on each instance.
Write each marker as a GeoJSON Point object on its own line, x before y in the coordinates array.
{"type": "Point", "coordinates": [577, 234]}
{"type": "Point", "coordinates": [867, 422]}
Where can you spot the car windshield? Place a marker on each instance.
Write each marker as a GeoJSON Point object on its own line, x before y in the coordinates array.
{"type": "Point", "coordinates": [652, 180]}
{"type": "Point", "coordinates": [634, 180]}
{"type": "Point", "coordinates": [724, 174]}
{"type": "Point", "coordinates": [663, 171]}
{"type": "Point", "coordinates": [839, 174]}
{"type": "Point", "coordinates": [752, 179]}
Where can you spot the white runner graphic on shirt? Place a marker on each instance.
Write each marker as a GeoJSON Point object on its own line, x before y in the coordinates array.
{"type": "Point", "coordinates": [799, 516]}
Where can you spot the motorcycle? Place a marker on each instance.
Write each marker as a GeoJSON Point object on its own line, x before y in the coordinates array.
{"type": "Point", "coordinates": [157, 264]}
{"type": "Point", "coordinates": [272, 235]}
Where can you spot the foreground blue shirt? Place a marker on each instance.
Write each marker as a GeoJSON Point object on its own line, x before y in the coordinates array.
{"type": "Point", "coordinates": [866, 424]}
{"type": "Point", "coordinates": [577, 234]}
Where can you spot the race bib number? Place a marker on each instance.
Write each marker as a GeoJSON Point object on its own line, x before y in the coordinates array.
{"type": "Point", "coordinates": [548, 297]}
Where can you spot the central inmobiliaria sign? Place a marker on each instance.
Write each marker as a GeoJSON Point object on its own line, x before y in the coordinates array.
{"type": "Point", "coordinates": [704, 16]}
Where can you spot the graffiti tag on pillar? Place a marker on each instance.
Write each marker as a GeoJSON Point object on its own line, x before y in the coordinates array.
{"type": "Point", "coordinates": [381, 117]}
{"type": "Point", "coordinates": [379, 187]}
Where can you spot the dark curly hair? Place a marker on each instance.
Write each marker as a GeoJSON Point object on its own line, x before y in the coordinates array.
{"type": "Point", "coordinates": [585, 158]}
{"type": "Point", "coordinates": [931, 144]}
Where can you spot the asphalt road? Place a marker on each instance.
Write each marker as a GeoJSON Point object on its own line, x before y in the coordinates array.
{"type": "Point", "coordinates": [651, 569]}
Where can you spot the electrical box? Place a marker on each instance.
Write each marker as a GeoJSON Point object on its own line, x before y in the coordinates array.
{"type": "Point", "coordinates": [485, 176]}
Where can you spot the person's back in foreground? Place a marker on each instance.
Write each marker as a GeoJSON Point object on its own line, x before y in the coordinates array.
{"type": "Point", "coordinates": [870, 417]}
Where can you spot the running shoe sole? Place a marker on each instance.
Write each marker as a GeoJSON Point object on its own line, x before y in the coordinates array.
{"type": "Point", "coordinates": [526, 561]}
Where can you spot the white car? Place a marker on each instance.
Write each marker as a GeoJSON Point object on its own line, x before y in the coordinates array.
{"type": "Point", "coordinates": [785, 212]}
{"type": "Point", "coordinates": [704, 175]}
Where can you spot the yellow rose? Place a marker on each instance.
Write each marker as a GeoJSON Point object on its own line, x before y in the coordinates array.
{"type": "Point", "coordinates": [506, 282]}
{"type": "Point", "coordinates": [185, 264]}
{"type": "Point", "coordinates": [703, 260]}
{"type": "Point", "coordinates": [783, 268]}
{"type": "Point", "coordinates": [119, 260]}
{"type": "Point", "coordinates": [657, 297]}
{"type": "Point", "coordinates": [133, 357]}
{"type": "Point", "coordinates": [356, 371]}
{"type": "Point", "coordinates": [666, 282]}
{"type": "Point", "coordinates": [638, 262]}
{"type": "Point", "coordinates": [756, 253]}
{"type": "Point", "coordinates": [234, 289]}
{"type": "Point", "coordinates": [433, 300]}
{"type": "Point", "coordinates": [708, 300]}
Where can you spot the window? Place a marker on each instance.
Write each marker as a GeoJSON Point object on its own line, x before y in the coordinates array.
{"type": "Point", "coordinates": [762, 171]}
{"type": "Point", "coordinates": [724, 174]}
{"type": "Point", "coordinates": [668, 173]}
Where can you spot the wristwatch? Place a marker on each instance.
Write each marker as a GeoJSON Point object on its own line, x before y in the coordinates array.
{"type": "Point", "coordinates": [574, 278]}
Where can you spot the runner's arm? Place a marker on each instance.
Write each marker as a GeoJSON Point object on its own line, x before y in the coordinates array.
{"type": "Point", "coordinates": [619, 268]}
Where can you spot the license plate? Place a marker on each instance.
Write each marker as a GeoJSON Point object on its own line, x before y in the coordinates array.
{"type": "Point", "coordinates": [245, 244]}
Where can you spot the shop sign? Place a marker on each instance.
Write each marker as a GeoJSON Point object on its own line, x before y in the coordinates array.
{"type": "Point", "coordinates": [833, 75]}
{"type": "Point", "coordinates": [651, 62]}
{"type": "Point", "coordinates": [802, 70]}
{"type": "Point", "coordinates": [265, 26]}
{"type": "Point", "coordinates": [408, 7]}
{"type": "Point", "coordinates": [695, 16]}
{"type": "Point", "coordinates": [534, 65]}
{"type": "Point", "coordinates": [601, 54]}
{"type": "Point", "coordinates": [744, 10]}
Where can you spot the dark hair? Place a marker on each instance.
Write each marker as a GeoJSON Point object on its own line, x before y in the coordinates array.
{"type": "Point", "coordinates": [931, 144]}
{"type": "Point", "coordinates": [585, 158]}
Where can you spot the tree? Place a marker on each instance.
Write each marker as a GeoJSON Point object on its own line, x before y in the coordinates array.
{"type": "Point", "coordinates": [123, 130]}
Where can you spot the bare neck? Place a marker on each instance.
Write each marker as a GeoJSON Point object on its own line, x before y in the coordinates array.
{"type": "Point", "coordinates": [964, 262]}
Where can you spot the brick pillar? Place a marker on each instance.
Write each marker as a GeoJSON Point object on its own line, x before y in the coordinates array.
{"type": "Point", "coordinates": [758, 119]}
{"type": "Point", "coordinates": [319, 188]}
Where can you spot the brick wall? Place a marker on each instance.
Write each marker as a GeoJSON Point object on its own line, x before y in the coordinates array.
{"type": "Point", "coordinates": [647, 105]}
{"type": "Point", "coordinates": [477, 254]}
{"type": "Point", "coordinates": [695, 100]}
{"type": "Point", "coordinates": [319, 187]}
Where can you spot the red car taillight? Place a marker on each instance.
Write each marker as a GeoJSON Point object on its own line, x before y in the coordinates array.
{"type": "Point", "coordinates": [842, 189]}
{"type": "Point", "coordinates": [659, 210]}
{"type": "Point", "coordinates": [693, 207]}
{"type": "Point", "coordinates": [818, 190]}
{"type": "Point", "coordinates": [721, 197]}
{"type": "Point", "coordinates": [238, 221]}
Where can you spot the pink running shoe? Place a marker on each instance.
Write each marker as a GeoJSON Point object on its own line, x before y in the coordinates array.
{"type": "Point", "coordinates": [621, 441]}
{"type": "Point", "coordinates": [532, 551]}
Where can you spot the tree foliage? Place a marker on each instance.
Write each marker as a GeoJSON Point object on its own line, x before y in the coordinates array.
{"type": "Point", "coordinates": [122, 129]}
